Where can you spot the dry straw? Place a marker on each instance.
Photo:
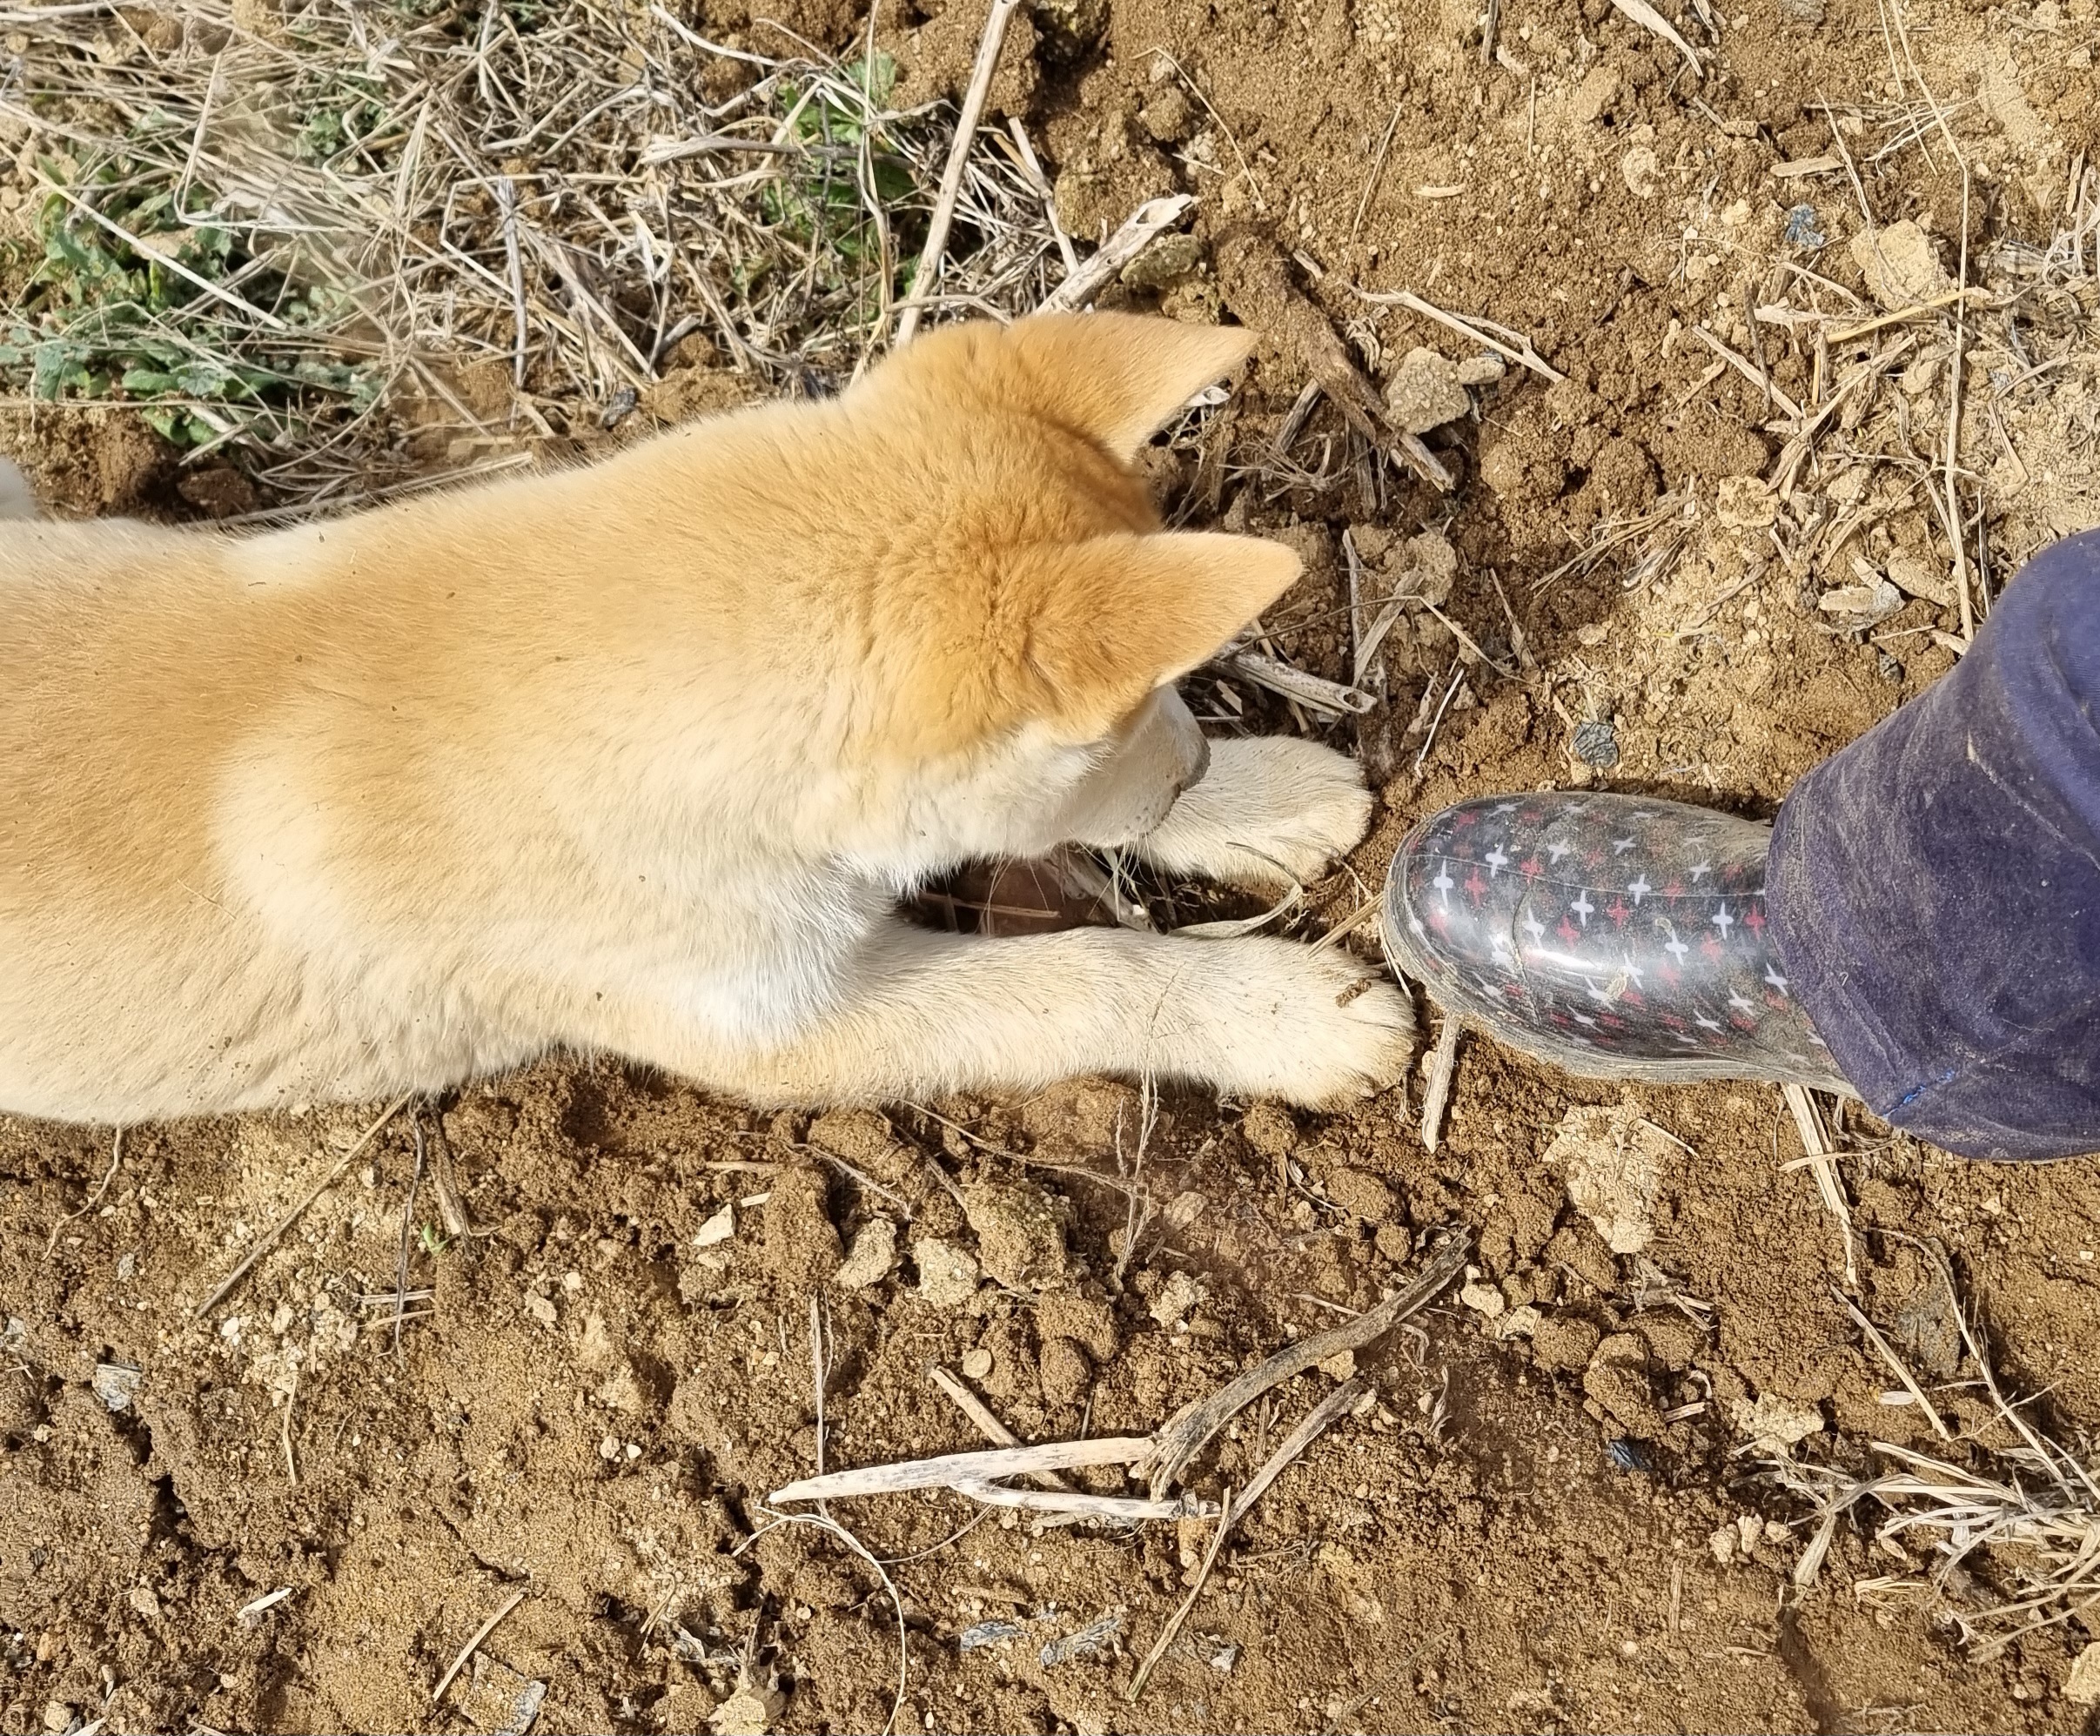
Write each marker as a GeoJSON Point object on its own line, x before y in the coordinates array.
{"type": "Point", "coordinates": [438, 233]}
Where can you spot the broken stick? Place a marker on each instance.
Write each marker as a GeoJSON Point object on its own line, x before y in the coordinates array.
{"type": "Point", "coordinates": [1194, 1424]}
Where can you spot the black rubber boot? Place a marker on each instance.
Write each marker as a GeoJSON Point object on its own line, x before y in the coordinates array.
{"type": "Point", "coordinates": [1615, 936]}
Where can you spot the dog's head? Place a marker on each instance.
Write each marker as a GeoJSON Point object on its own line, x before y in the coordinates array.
{"type": "Point", "coordinates": [1036, 613]}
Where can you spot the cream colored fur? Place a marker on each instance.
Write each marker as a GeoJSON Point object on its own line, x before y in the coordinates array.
{"type": "Point", "coordinates": [640, 757]}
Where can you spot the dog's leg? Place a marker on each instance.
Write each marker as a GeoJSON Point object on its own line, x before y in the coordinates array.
{"type": "Point", "coordinates": [929, 1013]}
{"type": "Point", "coordinates": [1271, 809]}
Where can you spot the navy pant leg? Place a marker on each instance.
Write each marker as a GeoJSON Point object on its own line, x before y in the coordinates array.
{"type": "Point", "coordinates": [1935, 888]}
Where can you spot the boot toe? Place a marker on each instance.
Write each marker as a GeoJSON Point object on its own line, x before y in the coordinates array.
{"type": "Point", "coordinates": [1614, 935]}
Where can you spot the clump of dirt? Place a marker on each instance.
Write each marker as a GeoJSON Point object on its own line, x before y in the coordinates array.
{"type": "Point", "coordinates": [1550, 1512]}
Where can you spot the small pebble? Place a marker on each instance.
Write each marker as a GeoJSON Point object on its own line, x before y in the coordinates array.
{"type": "Point", "coordinates": [1597, 744]}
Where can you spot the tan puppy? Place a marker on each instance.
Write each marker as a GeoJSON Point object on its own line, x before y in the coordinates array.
{"type": "Point", "coordinates": [639, 757]}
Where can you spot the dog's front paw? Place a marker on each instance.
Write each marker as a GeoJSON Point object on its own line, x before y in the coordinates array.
{"type": "Point", "coordinates": [1272, 810]}
{"type": "Point", "coordinates": [1317, 1028]}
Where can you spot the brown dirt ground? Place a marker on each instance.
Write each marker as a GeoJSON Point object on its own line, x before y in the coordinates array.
{"type": "Point", "coordinates": [590, 1403]}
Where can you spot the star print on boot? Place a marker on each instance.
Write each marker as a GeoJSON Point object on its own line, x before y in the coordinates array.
{"type": "Point", "coordinates": [1615, 936]}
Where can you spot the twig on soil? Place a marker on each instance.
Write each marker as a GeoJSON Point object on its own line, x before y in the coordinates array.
{"type": "Point", "coordinates": [459, 1222]}
{"type": "Point", "coordinates": [408, 1219]}
{"type": "Point", "coordinates": [291, 1469]}
{"type": "Point", "coordinates": [1048, 194]}
{"type": "Point", "coordinates": [506, 208]}
{"type": "Point", "coordinates": [2040, 1539]}
{"type": "Point", "coordinates": [1896, 1363]}
{"type": "Point", "coordinates": [269, 1600]}
{"type": "Point", "coordinates": [1518, 642]}
{"type": "Point", "coordinates": [1464, 637]}
{"type": "Point", "coordinates": [824, 1522]}
{"type": "Point", "coordinates": [1166, 1634]}
{"type": "Point", "coordinates": [1649, 19]}
{"type": "Point", "coordinates": [1809, 1123]}
{"type": "Point", "coordinates": [1316, 1422]}
{"type": "Point", "coordinates": [1917, 310]}
{"type": "Point", "coordinates": [270, 1236]}
{"type": "Point", "coordinates": [1743, 366]}
{"type": "Point", "coordinates": [1331, 697]}
{"type": "Point", "coordinates": [474, 1645]}
{"type": "Point", "coordinates": [1136, 1198]}
{"type": "Point", "coordinates": [1437, 1093]}
{"type": "Point", "coordinates": [1153, 218]}
{"type": "Point", "coordinates": [989, 45]}
{"type": "Point", "coordinates": [1511, 346]}
{"type": "Point", "coordinates": [1369, 910]}
{"type": "Point", "coordinates": [1300, 327]}
{"type": "Point", "coordinates": [817, 1373]}
{"type": "Point", "coordinates": [1194, 1424]}
{"type": "Point", "coordinates": [1377, 168]}
{"type": "Point", "coordinates": [944, 1469]}
{"type": "Point", "coordinates": [986, 1422]}
{"type": "Point", "coordinates": [860, 1178]}
{"type": "Point", "coordinates": [95, 1199]}
{"type": "Point", "coordinates": [1757, 343]}
{"type": "Point", "coordinates": [1231, 137]}
{"type": "Point", "coordinates": [1117, 1508]}
{"type": "Point", "coordinates": [1451, 688]}
{"type": "Point", "coordinates": [2041, 1450]}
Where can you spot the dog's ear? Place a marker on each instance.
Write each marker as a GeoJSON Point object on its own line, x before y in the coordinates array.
{"type": "Point", "coordinates": [1105, 621]}
{"type": "Point", "coordinates": [1115, 378]}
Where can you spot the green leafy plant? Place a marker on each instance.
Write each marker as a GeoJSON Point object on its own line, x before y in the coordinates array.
{"type": "Point", "coordinates": [819, 203]}
{"type": "Point", "coordinates": [114, 319]}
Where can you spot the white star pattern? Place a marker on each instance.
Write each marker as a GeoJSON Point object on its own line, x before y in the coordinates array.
{"type": "Point", "coordinates": [1709, 995]}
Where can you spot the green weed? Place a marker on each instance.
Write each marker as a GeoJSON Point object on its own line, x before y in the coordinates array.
{"type": "Point", "coordinates": [820, 205]}
{"type": "Point", "coordinates": [104, 320]}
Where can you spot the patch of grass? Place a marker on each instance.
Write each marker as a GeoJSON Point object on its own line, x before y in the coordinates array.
{"type": "Point", "coordinates": [379, 204]}
{"type": "Point", "coordinates": [109, 319]}
{"type": "Point", "coordinates": [822, 203]}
